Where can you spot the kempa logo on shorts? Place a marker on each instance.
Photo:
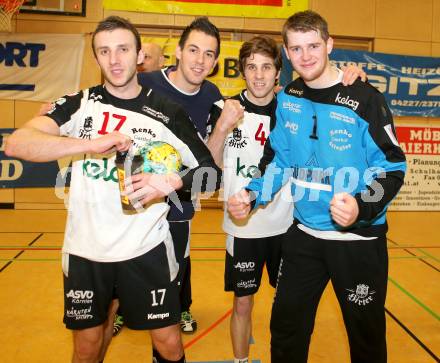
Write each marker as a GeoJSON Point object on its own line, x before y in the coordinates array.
{"type": "Point", "coordinates": [162, 316]}
{"type": "Point", "coordinates": [362, 296]}
{"type": "Point", "coordinates": [347, 101]}
{"type": "Point", "coordinates": [245, 266]}
{"type": "Point", "coordinates": [80, 296]}
{"type": "Point", "coordinates": [80, 314]}
{"type": "Point", "coordinates": [247, 284]}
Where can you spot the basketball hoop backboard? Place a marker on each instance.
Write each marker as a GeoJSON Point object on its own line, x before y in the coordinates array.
{"type": "Point", "coordinates": [58, 7]}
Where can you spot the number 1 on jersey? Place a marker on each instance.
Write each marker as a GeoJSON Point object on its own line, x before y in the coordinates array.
{"type": "Point", "coordinates": [260, 135]}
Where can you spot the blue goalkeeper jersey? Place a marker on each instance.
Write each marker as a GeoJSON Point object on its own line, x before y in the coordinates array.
{"type": "Point", "coordinates": [331, 140]}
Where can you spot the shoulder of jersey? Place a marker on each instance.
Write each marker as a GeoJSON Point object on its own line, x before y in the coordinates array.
{"type": "Point", "coordinates": [164, 104]}
{"type": "Point", "coordinates": [210, 86]}
{"type": "Point", "coordinates": [363, 86]}
{"type": "Point", "coordinates": [94, 92]}
{"type": "Point", "coordinates": [149, 75]}
{"type": "Point", "coordinates": [294, 88]}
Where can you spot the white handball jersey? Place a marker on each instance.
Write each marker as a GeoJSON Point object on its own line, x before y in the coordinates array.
{"type": "Point", "coordinates": [97, 229]}
{"type": "Point", "coordinates": [243, 150]}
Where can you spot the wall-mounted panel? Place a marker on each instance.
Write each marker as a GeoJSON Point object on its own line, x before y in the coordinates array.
{"type": "Point", "coordinates": [225, 22]}
{"type": "Point", "coordinates": [143, 18]}
{"type": "Point", "coordinates": [25, 110]}
{"type": "Point", "coordinates": [435, 50]}
{"type": "Point", "coordinates": [54, 27]}
{"type": "Point", "coordinates": [403, 47]}
{"type": "Point", "coordinates": [90, 72]}
{"type": "Point", "coordinates": [270, 25]}
{"type": "Point", "coordinates": [436, 21]}
{"type": "Point", "coordinates": [38, 195]}
{"type": "Point", "coordinates": [404, 19]}
{"type": "Point", "coordinates": [348, 17]}
{"type": "Point", "coordinates": [7, 114]}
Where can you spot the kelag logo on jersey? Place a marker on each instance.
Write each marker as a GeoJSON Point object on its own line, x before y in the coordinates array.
{"type": "Point", "coordinates": [347, 101]}
{"type": "Point", "coordinates": [97, 169]}
{"type": "Point", "coordinates": [237, 140]}
{"type": "Point", "coordinates": [246, 171]}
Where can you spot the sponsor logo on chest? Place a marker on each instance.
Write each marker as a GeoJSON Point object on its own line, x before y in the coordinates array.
{"type": "Point", "coordinates": [156, 114]}
{"type": "Point", "coordinates": [340, 139]}
{"type": "Point", "coordinates": [292, 126]}
{"type": "Point", "coordinates": [347, 101]}
{"type": "Point", "coordinates": [292, 107]}
{"type": "Point", "coordinates": [237, 140]}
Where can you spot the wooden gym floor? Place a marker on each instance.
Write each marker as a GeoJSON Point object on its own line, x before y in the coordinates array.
{"type": "Point", "coordinates": [31, 296]}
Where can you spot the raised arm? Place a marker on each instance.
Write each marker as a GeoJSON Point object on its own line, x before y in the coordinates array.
{"type": "Point", "coordinates": [223, 121]}
{"type": "Point", "coordinates": [39, 140]}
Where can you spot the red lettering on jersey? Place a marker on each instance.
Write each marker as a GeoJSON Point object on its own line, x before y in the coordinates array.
{"type": "Point", "coordinates": [260, 135]}
{"type": "Point", "coordinates": [121, 119]}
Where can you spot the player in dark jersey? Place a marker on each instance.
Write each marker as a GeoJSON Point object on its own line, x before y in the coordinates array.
{"type": "Point", "coordinates": [197, 54]}
{"type": "Point", "coordinates": [338, 146]}
{"type": "Point", "coordinates": [105, 251]}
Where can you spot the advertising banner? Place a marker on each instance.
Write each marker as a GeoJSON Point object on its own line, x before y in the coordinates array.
{"type": "Point", "coordinates": [40, 67]}
{"type": "Point", "coordinates": [237, 8]}
{"type": "Point", "coordinates": [421, 191]}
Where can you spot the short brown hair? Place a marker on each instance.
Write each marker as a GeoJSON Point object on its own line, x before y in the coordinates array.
{"type": "Point", "coordinates": [115, 22]}
{"type": "Point", "coordinates": [306, 21]}
{"type": "Point", "coordinates": [201, 24]}
{"type": "Point", "coordinates": [260, 44]}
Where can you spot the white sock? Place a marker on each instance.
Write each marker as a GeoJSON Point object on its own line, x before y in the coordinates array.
{"type": "Point", "coordinates": [242, 360]}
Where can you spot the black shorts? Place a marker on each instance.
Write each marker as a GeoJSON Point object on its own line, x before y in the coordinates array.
{"type": "Point", "coordinates": [147, 296]}
{"type": "Point", "coordinates": [245, 259]}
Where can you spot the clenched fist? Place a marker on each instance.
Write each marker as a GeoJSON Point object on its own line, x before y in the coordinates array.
{"type": "Point", "coordinates": [239, 205]}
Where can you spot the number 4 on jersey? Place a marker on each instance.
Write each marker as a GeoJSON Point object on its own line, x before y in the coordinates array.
{"type": "Point", "coordinates": [260, 135]}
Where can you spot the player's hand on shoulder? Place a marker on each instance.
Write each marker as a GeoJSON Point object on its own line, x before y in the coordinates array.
{"type": "Point", "coordinates": [232, 113]}
{"type": "Point", "coordinates": [344, 209]}
{"type": "Point", "coordinates": [109, 143]}
{"type": "Point", "coordinates": [146, 187]}
{"type": "Point", "coordinates": [239, 204]}
{"type": "Point", "coordinates": [351, 74]}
